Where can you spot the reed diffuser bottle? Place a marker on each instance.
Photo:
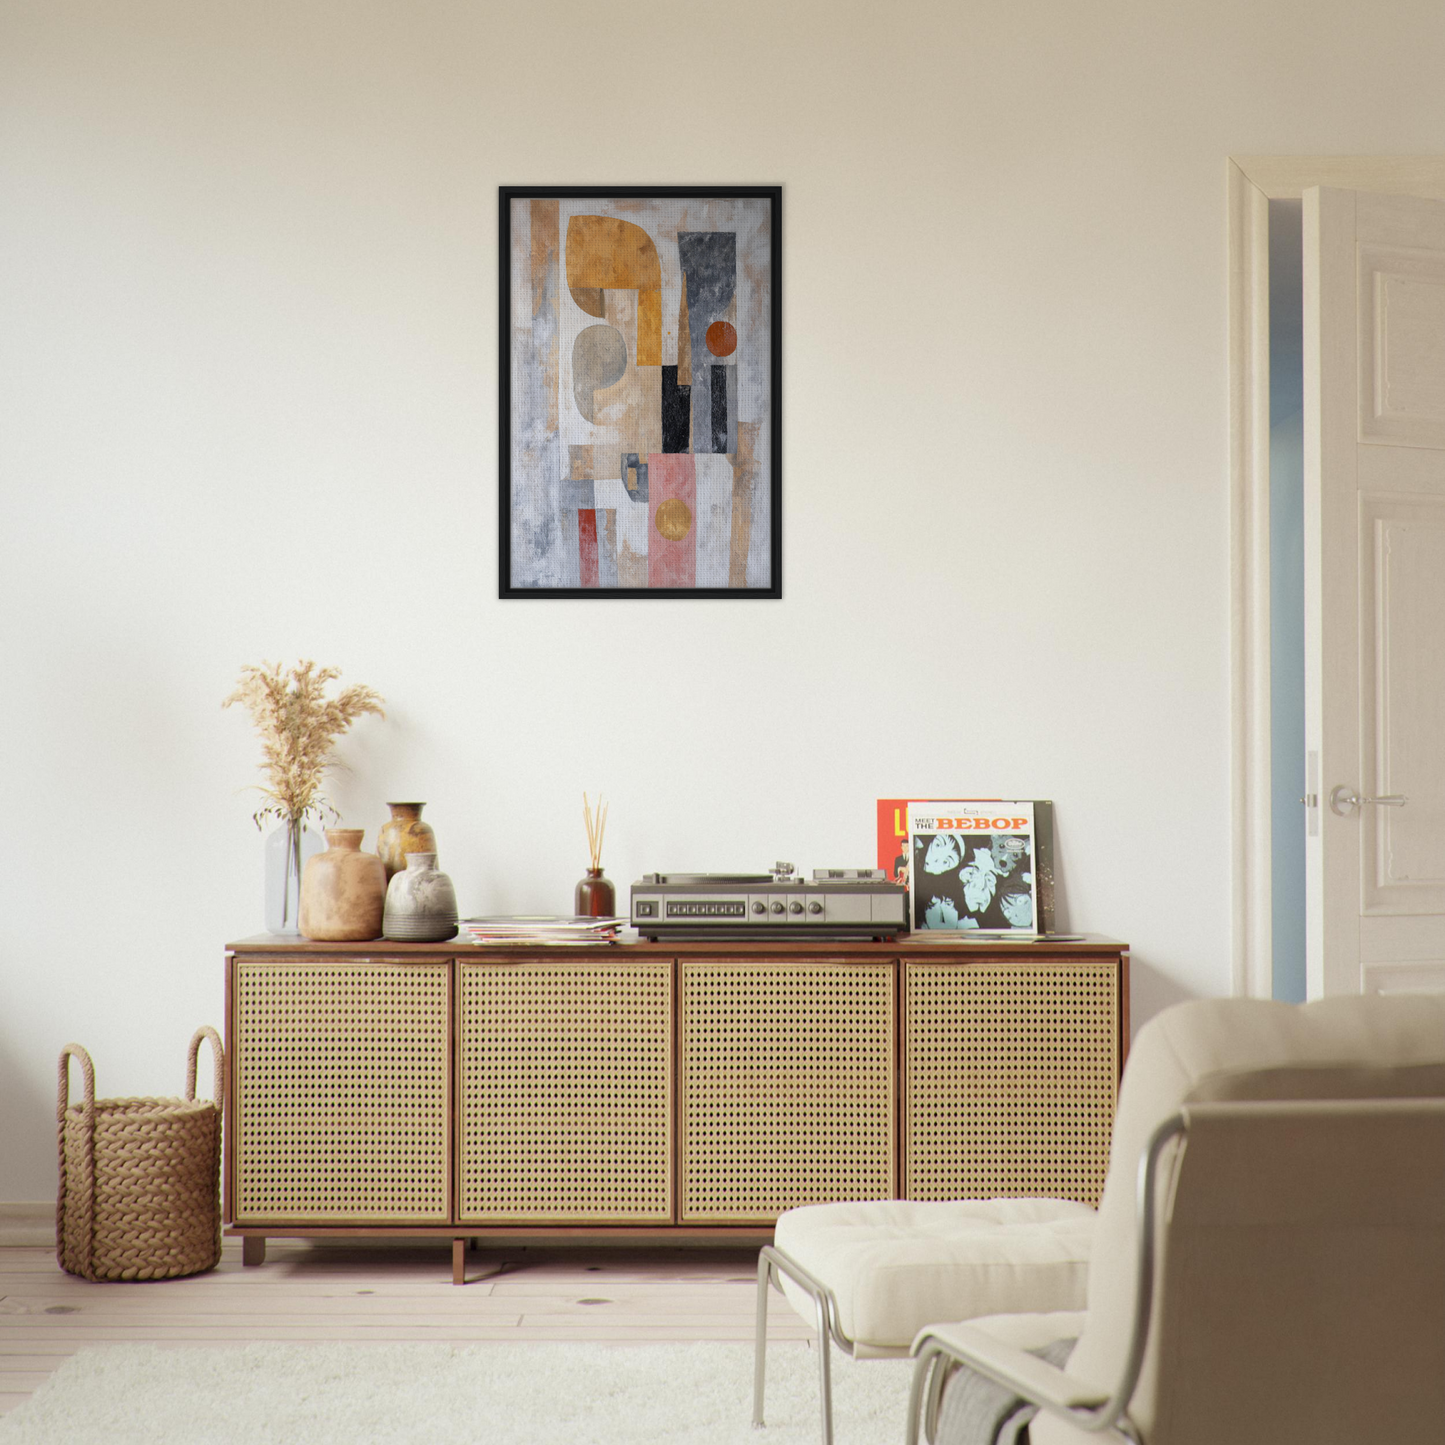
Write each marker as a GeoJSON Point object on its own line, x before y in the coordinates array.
{"type": "Point", "coordinates": [595, 896]}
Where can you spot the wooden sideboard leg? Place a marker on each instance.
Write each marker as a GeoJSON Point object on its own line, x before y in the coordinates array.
{"type": "Point", "coordinates": [253, 1249]}
{"type": "Point", "coordinates": [459, 1261]}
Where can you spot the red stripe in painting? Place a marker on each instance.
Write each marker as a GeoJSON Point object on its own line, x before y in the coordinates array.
{"type": "Point", "coordinates": [587, 544]}
{"type": "Point", "coordinates": [671, 520]}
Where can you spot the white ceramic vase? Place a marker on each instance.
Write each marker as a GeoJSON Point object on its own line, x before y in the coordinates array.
{"type": "Point", "coordinates": [421, 904]}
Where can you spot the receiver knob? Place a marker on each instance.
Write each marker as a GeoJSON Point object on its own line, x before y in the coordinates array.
{"type": "Point", "coordinates": [815, 907]}
{"type": "Point", "coordinates": [760, 907]}
{"type": "Point", "coordinates": [777, 908]}
{"type": "Point", "coordinates": [795, 907]}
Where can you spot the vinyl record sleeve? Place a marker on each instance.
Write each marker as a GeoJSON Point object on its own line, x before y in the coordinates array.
{"type": "Point", "coordinates": [898, 861]}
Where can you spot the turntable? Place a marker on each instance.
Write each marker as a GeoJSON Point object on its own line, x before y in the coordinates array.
{"type": "Point", "coordinates": [834, 903]}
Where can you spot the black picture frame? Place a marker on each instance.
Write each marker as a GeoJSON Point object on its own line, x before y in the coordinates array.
{"type": "Point", "coordinates": [769, 486]}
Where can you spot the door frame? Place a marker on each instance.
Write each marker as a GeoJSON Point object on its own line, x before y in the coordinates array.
{"type": "Point", "coordinates": [1254, 181]}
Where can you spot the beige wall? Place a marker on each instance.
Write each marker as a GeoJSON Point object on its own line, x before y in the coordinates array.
{"type": "Point", "coordinates": [248, 284]}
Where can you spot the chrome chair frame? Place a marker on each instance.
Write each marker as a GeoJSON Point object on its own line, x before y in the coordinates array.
{"type": "Point", "coordinates": [771, 1264]}
{"type": "Point", "coordinates": [937, 1358]}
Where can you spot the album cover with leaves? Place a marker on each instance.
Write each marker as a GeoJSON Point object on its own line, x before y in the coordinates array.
{"type": "Point", "coordinates": [980, 864]}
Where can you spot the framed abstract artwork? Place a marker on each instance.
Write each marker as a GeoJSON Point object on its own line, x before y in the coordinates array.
{"type": "Point", "coordinates": [640, 419]}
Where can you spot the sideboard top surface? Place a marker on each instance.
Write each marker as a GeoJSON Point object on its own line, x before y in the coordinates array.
{"type": "Point", "coordinates": [904, 946]}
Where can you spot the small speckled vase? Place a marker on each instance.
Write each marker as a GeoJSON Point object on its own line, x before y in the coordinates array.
{"type": "Point", "coordinates": [343, 890]}
{"type": "Point", "coordinates": [421, 904]}
{"type": "Point", "coordinates": [403, 833]}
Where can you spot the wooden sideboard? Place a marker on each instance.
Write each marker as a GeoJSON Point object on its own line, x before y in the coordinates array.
{"type": "Point", "coordinates": [657, 1091]}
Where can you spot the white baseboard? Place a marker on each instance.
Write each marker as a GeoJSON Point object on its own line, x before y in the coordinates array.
{"type": "Point", "coordinates": [28, 1223]}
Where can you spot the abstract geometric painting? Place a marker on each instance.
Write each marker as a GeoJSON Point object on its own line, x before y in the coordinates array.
{"type": "Point", "coordinates": [640, 420]}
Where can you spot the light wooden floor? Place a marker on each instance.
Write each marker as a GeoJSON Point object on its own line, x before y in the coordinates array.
{"type": "Point", "coordinates": [381, 1292]}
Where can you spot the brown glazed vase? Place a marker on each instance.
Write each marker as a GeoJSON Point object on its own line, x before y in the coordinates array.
{"type": "Point", "coordinates": [595, 897]}
{"type": "Point", "coordinates": [404, 833]}
{"type": "Point", "coordinates": [343, 890]}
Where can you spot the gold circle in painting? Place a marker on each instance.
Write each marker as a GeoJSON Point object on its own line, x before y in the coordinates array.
{"type": "Point", "coordinates": [673, 519]}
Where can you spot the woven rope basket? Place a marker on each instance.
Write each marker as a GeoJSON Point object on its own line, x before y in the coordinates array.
{"type": "Point", "coordinates": [139, 1178]}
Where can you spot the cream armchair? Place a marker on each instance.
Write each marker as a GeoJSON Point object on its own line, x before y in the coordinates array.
{"type": "Point", "coordinates": [1269, 1258]}
{"type": "Point", "coordinates": [870, 1275]}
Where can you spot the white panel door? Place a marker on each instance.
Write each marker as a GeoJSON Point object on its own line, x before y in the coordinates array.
{"type": "Point", "coordinates": [1374, 276]}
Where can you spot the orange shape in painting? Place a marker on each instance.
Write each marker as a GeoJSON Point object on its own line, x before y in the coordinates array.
{"type": "Point", "coordinates": [604, 253]}
{"type": "Point", "coordinates": [674, 519]}
{"type": "Point", "coordinates": [722, 339]}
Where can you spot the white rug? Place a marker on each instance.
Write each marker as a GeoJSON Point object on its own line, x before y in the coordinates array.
{"type": "Point", "coordinates": [487, 1394]}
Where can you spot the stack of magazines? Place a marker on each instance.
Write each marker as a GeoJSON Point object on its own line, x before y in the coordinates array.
{"type": "Point", "coordinates": [528, 929]}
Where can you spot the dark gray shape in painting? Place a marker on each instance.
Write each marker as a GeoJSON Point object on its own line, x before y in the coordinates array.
{"type": "Point", "coordinates": [599, 360]}
{"type": "Point", "coordinates": [730, 445]}
{"type": "Point", "coordinates": [709, 261]}
{"type": "Point", "coordinates": [637, 486]}
{"type": "Point", "coordinates": [719, 388]}
{"type": "Point", "coordinates": [676, 413]}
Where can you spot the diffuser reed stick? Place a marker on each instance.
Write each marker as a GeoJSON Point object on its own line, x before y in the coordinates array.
{"type": "Point", "coordinates": [596, 826]}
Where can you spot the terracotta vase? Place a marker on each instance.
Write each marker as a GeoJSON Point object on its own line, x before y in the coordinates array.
{"type": "Point", "coordinates": [343, 890]}
{"type": "Point", "coordinates": [404, 833]}
{"type": "Point", "coordinates": [595, 897]}
{"type": "Point", "coordinates": [421, 904]}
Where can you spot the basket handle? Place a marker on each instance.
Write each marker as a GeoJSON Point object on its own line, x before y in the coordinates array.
{"type": "Point", "coordinates": [218, 1055]}
{"type": "Point", "coordinates": [87, 1070]}
{"type": "Point", "coordinates": [84, 1186]}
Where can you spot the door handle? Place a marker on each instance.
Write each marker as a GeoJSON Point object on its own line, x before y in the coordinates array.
{"type": "Point", "coordinates": [1344, 800]}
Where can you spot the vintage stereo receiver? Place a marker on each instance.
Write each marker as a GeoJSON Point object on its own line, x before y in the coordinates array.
{"type": "Point", "coordinates": [835, 902]}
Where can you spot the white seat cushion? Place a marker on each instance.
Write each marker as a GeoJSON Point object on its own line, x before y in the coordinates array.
{"type": "Point", "coordinates": [897, 1265]}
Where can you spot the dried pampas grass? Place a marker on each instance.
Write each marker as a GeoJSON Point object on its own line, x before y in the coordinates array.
{"type": "Point", "coordinates": [298, 724]}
